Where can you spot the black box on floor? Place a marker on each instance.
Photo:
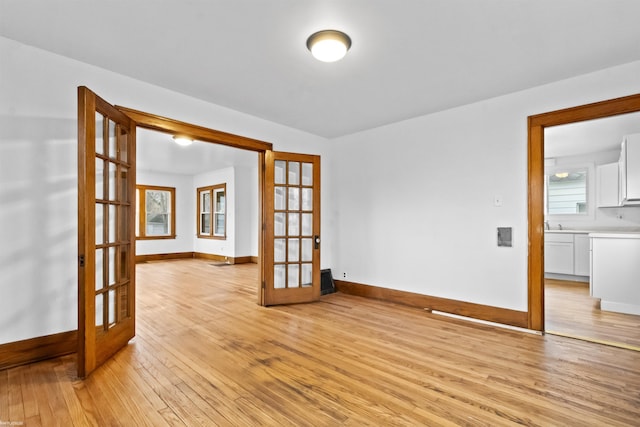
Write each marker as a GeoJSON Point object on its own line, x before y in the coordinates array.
{"type": "Point", "coordinates": [326, 282]}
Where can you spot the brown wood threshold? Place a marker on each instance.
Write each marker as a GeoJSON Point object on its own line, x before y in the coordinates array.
{"type": "Point", "coordinates": [35, 349]}
{"type": "Point", "coordinates": [460, 308]}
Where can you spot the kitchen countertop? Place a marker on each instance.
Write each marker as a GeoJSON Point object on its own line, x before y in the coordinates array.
{"type": "Point", "coordinates": [623, 234]}
{"type": "Point", "coordinates": [616, 234]}
{"type": "Point", "coordinates": [567, 231]}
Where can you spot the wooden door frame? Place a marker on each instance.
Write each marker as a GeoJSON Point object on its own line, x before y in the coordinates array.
{"type": "Point", "coordinates": [200, 133]}
{"type": "Point", "coordinates": [536, 126]}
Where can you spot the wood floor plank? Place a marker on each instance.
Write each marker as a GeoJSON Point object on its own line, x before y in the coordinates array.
{"type": "Point", "coordinates": [4, 396]}
{"type": "Point", "coordinates": [570, 310]}
{"type": "Point", "coordinates": [232, 366]}
{"type": "Point", "coordinates": [166, 386]}
{"type": "Point", "coordinates": [29, 392]}
{"type": "Point", "coordinates": [80, 416]}
{"type": "Point", "coordinates": [144, 408]}
{"type": "Point", "coordinates": [105, 408]}
{"type": "Point", "coordinates": [52, 409]}
{"type": "Point", "coordinates": [444, 387]}
{"type": "Point", "coordinates": [206, 354]}
{"type": "Point", "coordinates": [220, 394]}
{"type": "Point", "coordinates": [86, 401]}
{"type": "Point", "coordinates": [16, 400]}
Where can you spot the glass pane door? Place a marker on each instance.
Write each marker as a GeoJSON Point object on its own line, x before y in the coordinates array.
{"type": "Point", "coordinates": [106, 230]}
{"type": "Point", "coordinates": [293, 228]}
{"type": "Point", "coordinates": [113, 210]}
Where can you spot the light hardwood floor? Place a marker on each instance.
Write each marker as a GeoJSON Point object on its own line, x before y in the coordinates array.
{"type": "Point", "coordinates": [571, 311]}
{"type": "Point", "coordinates": [206, 354]}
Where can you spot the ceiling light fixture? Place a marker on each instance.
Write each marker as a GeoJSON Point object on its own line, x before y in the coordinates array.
{"type": "Point", "coordinates": [562, 174]}
{"type": "Point", "coordinates": [183, 140]}
{"type": "Point", "coordinates": [328, 45]}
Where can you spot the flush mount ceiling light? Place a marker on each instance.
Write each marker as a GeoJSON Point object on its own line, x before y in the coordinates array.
{"type": "Point", "coordinates": [562, 174]}
{"type": "Point", "coordinates": [183, 140]}
{"type": "Point", "coordinates": [328, 45]}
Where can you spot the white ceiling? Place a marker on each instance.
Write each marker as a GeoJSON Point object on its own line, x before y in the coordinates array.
{"type": "Point", "coordinates": [408, 58]}
{"type": "Point", "coordinates": [157, 152]}
{"type": "Point", "coordinates": [589, 137]}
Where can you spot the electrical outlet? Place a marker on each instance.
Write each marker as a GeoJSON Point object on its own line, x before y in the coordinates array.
{"type": "Point", "coordinates": [344, 275]}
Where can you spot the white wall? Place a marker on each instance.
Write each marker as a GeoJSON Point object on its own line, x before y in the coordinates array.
{"type": "Point", "coordinates": [38, 232]}
{"type": "Point", "coordinates": [242, 212]}
{"type": "Point", "coordinates": [38, 175]}
{"type": "Point", "coordinates": [246, 212]}
{"type": "Point", "coordinates": [414, 200]}
{"type": "Point", "coordinates": [185, 214]}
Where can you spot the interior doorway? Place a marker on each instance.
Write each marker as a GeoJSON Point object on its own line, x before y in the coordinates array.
{"type": "Point", "coordinates": [536, 127]}
{"type": "Point", "coordinates": [289, 210]}
{"type": "Point", "coordinates": [578, 157]}
{"type": "Point", "coordinates": [288, 193]}
{"type": "Point", "coordinates": [215, 192]}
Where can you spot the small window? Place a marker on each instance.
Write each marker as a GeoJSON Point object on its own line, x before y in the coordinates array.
{"type": "Point", "coordinates": [155, 212]}
{"type": "Point", "coordinates": [566, 192]}
{"type": "Point", "coordinates": [212, 212]}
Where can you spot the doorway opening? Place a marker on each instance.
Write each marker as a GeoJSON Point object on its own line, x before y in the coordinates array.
{"type": "Point", "coordinates": [172, 127]}
{"type": "Point", "coordinates": [581, 169]}
{"type": "Point", "coordinates": [200, 200]}
{"type": "Point", "coordinates": [108, 225]}
{"type": "Point", "coordinates": [536, 185]}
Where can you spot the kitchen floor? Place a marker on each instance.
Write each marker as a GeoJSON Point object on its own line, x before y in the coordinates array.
{"type": "Point", "coordinates": [570, 311]}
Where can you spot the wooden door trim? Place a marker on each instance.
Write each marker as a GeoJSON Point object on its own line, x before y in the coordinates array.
{"type": "Point", "coordinates": [86, 227]}
{"type": "Point", "coordinates": [176, 127]}
{"type": "Point", "coordinates": [536, 126]}
{"type": "Point", "coordinates": [261, 226]}
{"type": "Point", "coordinates": [172, 126]}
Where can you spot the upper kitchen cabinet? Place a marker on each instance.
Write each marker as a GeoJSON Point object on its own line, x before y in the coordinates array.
{"type": "Point", "coordinates": [607, 187]}
{"type": "Point", "coordinates": [629, 170]}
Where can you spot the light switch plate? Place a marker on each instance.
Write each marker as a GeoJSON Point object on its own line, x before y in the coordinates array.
{"type": "Point", "coordinates": [497, 201]}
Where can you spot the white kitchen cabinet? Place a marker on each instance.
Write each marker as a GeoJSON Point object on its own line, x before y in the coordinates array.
{"type": "Point", "coordinates": [567, 253]}
{"type": "Point", "coordinates": [607, 187]}
{"type": "Point", "coordinates": [615, 271]}
{"type": "Point", "coordinates": [629, 170]}
{"type": "Point", "coordinates": [581, 255]}
{"type": "Point", "coordinates": [558, 253]}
